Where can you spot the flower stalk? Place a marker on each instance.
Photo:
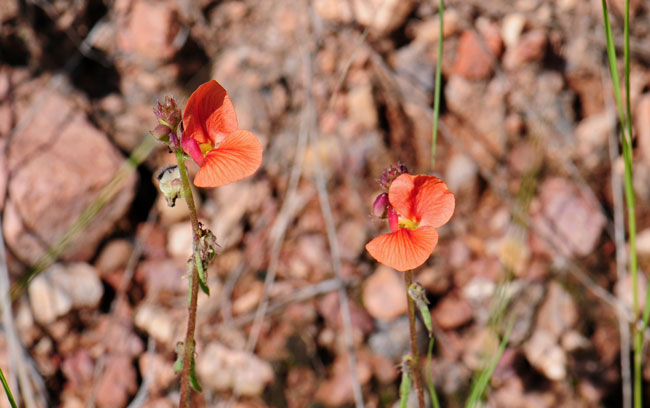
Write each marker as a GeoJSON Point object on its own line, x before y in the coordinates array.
{"type": "Point", "coordinates": [188, 349]}
{"type": "Point", "coordinates": [208, 132]}
{"type": "Point", "coordinates": [417, 378]}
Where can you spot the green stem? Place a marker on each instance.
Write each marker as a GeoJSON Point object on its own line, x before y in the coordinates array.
{"type": "Point", "coordinates": [10, 396]}
{"type": "Point", "coordinates": [436, 97]}
{"type": "Point", "coordinates": [430, 385]}
{"type": "Point", "coordinates": [625, 117]}
{"type": "Point", "coordinates": [417, 378]}
{"type": "Point", "coordinates": [188, 349]}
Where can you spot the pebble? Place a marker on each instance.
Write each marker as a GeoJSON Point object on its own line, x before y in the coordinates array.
{"type": "Point", "coordinates": [384, 294]}
{"type": "Point", "coordinates": [222, 369]}
{"type": "Point", "coordinates": [64, 287]}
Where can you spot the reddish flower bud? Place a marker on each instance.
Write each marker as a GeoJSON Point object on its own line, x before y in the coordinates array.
{"type": "Point", "coordinates": [174, 143]}
{"type": "Point", "coordinates": [380, 205]}
{"type": "Point", "coordinates": [161, 133]}
{"type": "Point", "coordinates": [168, 114]}
{"type": "Point", "coordinates": [391, 174]}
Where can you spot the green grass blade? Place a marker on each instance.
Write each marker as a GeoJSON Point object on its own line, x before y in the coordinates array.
{"type": "Point", "coordinates": [611, 57]}
{"type": "Point", "coordinates": [625, 117]}
{"type": "Point", "coordinates": [481, 383]}
{"type": "Point", "coordinates": [10, 396]}
{"type": "Point", "coordinates": [436, 97]}
{"type": "Point", "coordinates": [405, 384]}
{"type": "Point", "coordinates": [429, 376]}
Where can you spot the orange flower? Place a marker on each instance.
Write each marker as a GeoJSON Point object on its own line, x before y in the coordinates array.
{"type": "Point", "coordinates": [418, 205]}
{"type": "Point", "coordinates": [212, 138]}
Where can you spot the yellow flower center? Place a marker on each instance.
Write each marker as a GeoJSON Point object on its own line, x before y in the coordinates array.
{"type": "Point", "coordinates": [406, 223]}
{"type": "Point", "coordinates": [205, 148]}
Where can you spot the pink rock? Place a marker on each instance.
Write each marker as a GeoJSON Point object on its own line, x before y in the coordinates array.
{"type": "Point", "coordinates": [337, 390]}
{"type": "Point", "coordinates": [301, 386]}
{"type": "Point", "coordinates": [567, 219]}
{"type": "Point", "coordinates": [383, 16]}
{"type": "Point", "coordinates": [9, 9]}
{"type": "Point", "coordinates": [490, 31]}
{"type": "Point", "coordinates": [118, 382]}
{"type": "Point", "coordinates": [383, 293]}
{"type": "Point", "coordinates": [57, 164]}
{"type": "Point", "coordinates": [452, 312]}
{"type": "Point", "coordinates": [78, 369]}
{"type": "Point", "coordinates": [150, 30]}
{"type": "Point", "coordinates": [160, 277]}
{"type": "Point", "coordinates": [531, 47]}
{"type": "Point", "coordinates": [220, 368]}
{"type": "Point", "coordinates": [329, 308]}
{"type": "Point", "coordinates": [161, 369]}
{"type": "Point", "coordinates": [113, 256]}
{"type": "Point", "coordinates": [473, 60]}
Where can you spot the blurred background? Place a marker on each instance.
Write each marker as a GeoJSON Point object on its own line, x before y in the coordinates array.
{"type": "Point", "coordinates": [92, 261]}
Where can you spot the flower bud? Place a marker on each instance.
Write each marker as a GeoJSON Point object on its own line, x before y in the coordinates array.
{"type": "Point", "coordinates": [161, 133]}
{"type": "Point", "coordinates": [391, 174]}
{"type": "Point", "coordinates": [380, 205]}
{"type": "Point", "coordinates": [168, 114]}
{"type": "Point", "coordinates": [173, 141]}
{"type": "Point", "coordinates": [171, 185]}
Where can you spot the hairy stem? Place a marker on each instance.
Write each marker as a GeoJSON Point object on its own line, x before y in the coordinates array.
{"type": "Point", "coordinates": [408, 279]}
{"type": "Point", "coordinates": [188, 349]}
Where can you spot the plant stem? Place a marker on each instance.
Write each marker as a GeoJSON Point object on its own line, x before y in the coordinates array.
{"type": "Point", "coordinates": [188, 348]}
{"type": "Point", "coordinates": [436, 97]}
{"type": "Point", "coordinates": [432, 389]}
{"type": "Point", "coordinates": [625, 117]}
{"type": "Point", "coordinates": [638, 332]}
{"type": "Point", "coordinates": [408, 279]}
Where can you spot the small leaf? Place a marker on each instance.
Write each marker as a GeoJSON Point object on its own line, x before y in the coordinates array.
{"type": "Point", "coordinates": [205, 288]}
{"type": "Point", "coordinates": [178, 364]}
{"type": "Point", "coordinates": [416, 292]}
{"type": "Point", "coordinates": [194, 382]}
{"type": "Point", "coordinates": [405, 384]}
{"type": "Point", "coordinates": [203, 280]}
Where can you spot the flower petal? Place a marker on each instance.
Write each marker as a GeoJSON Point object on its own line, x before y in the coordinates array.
{"type": "Point", "coordinates": [404, 249]}
{"type": "Point", "coordinates": [192, 148]}
{"type": "Point", "coordinates": [238, 156]}
{"type": "Point", "coordinates": [422, 198]}
{"type": "Point", "coordinates": [209, 114]}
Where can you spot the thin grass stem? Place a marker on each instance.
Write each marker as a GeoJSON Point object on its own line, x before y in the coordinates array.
{"type": "Point", "coordinates": [431, 387]}
{"type": "Point", "coordinates": [10, 396]}
{"type": "Point", "coordinates": [625, 117]}
{"type": "Point", "coordinates": [436, 95]}
{"type": "Point", "coordinates": [481, 382]}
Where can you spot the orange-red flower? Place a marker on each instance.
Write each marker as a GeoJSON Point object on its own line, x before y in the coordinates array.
{"type": "Point", "coordinates": [212, 138]}
{"type": "Point", "coordinates": [418, 205]}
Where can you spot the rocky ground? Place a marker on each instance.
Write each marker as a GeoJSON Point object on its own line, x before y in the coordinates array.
{"type": "Point", "coordinates": [336, 90]}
